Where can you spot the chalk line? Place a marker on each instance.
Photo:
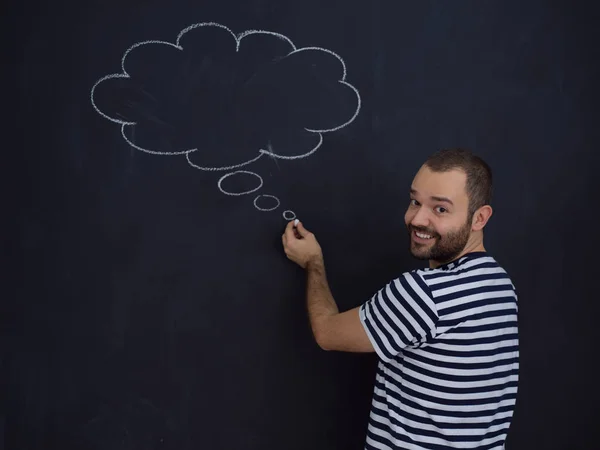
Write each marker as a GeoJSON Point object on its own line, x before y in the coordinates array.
{"type": "Point", "coordinates": [351, 119]}
{"type": "Point", "coordinates": [268, 196]}
{"type": "Point", "coordinates": [124, 74]}
{"type": "Point", "coordinates": [214, 169]}
{"type": "Point", "coordinates": [139, 44]}
{"type": "Point", "coordinates": [265, 152]}
{"type": "Point", "coordinates": [289, 215]}
{"type": "Point", "coordinates": [108, 77]}
{"type": "Point", "coordinates": [239, 193]}
{"type": "Point", "coordinates": [204, 24]}
{"type": "Point", "coordinates": [153, 152]}
{"type": "Point", "coordinates": [326, 51]}
{"type": "Point", "coordinates": [249, 32]}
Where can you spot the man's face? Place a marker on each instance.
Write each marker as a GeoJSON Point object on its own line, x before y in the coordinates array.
{"type": "Point", "coordinates": [437, 216]}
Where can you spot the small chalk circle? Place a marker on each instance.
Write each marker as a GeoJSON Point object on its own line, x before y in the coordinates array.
{"type": "Point", "coordinates": [296, 222]}
{"type": "Point", "coordinates": [289, 215]}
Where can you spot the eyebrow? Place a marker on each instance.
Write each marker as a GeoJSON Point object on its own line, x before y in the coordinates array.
{"type": "Point", "coordinates": [435, 197]}
{"type": "Point", "coordinates": [442, 199]}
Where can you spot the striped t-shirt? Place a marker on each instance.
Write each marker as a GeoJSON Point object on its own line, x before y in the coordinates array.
{"type": "Point", "coordinates": [447, 341]}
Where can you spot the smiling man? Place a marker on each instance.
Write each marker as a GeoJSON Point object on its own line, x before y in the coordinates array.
{"type": "Point", "coordinates": [446, 335]}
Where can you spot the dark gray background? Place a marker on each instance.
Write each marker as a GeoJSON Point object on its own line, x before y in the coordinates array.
{"type": "Point", "coordinates": [146, 310]}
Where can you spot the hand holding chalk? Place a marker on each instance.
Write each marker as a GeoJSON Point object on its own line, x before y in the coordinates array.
{"type": "Point", "coordinates": [298, 235]}
{"type": "Point", "coordinates": [300, 245]}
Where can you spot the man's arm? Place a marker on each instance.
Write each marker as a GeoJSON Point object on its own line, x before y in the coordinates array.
{"type": "Point", "coordinates": [332, 330]}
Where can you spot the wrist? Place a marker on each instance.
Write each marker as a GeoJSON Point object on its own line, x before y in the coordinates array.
{"type": "Point", "coordinates": [315, 263]}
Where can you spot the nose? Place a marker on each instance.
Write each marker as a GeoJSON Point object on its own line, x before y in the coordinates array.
{"type": "Point", "coordinates": [420, 218]}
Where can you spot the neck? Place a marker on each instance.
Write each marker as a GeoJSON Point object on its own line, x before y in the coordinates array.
{"type": "Point", "coordinates": [475, 245]}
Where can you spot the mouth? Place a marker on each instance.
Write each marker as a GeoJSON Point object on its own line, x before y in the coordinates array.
{"type": "Point", "coordinates": [422, 238]}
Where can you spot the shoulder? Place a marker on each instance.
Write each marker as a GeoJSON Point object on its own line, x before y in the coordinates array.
{"type": "Point", "coordinates": [469, 270]}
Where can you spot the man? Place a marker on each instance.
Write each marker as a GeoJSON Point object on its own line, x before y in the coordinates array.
{"type": "Point", "coordinates": [446, 335]}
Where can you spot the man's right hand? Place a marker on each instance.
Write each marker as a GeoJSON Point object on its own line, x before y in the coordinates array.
{"type": "Point", "coordinates": [301, 246]}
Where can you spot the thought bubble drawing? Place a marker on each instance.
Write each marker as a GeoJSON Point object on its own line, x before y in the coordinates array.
{"type": "Point", "coordinates": [224, 101]}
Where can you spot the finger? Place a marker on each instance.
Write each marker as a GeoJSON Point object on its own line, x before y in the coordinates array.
{"type": "Point", "coordinates": [301, 230]}
{"type": "Point", "coordinates": [288, 227]}
{"type": "Point", "coordinates": [290, 233]}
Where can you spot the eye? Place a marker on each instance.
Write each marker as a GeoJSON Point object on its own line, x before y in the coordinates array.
{"type": "Point", "coordinates": [413, 202]}
{"type": "Point", "coordinates": [441, 209]}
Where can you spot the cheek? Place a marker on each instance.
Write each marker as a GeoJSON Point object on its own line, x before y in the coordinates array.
{"type": "Point", "coordinates": [408, 216]}
{"type": "Point", "coordinates": [438, 227]}
{"type": "Point", "coordinates": [444, 229]}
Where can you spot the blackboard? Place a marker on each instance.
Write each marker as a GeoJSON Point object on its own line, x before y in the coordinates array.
{"type": "Point", "coordinates": [145, 306]}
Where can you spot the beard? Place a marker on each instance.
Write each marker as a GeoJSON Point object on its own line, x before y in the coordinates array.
{"type": "Point", "coordinates": [445, 248]}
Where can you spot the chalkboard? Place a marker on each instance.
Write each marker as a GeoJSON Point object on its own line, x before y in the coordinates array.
{"type": "Point", "coordinates": [154, 151]}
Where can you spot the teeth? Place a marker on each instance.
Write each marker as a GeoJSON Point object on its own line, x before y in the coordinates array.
{"type": "Point", "coordinates": [423, 236]}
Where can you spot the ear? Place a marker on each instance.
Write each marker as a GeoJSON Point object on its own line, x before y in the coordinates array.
{"type": "Point", "coordinates": [481, 217]}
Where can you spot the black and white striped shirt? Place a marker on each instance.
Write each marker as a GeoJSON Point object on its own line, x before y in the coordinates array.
{"type": "Point", "coordinates": [447, 341]}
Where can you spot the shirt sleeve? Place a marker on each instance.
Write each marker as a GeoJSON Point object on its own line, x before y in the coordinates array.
{"type": "Point", "coordinates": [399, 315]}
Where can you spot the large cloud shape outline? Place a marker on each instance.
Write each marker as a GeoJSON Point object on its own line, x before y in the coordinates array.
{"type": "Point", "coordinates": [238, 38]}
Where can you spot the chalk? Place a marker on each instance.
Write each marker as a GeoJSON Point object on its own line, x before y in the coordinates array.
{"type": "Point", "coordinates": [296, 231]}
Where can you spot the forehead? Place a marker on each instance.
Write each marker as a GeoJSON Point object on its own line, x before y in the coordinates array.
{"type": "Point", "coordinates": [450, 184]}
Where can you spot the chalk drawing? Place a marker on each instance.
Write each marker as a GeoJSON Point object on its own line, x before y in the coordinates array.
{"type": "Point", "coordinates": [239, 193]}
{"type": "Point", "coordinates": [274, 155]}
{"type": "Point", "coordinates": [208, 169]}
{"type": "Point", "coordinates": [263, 208]}
{"type": "Point", "coordinates": [288, 214]}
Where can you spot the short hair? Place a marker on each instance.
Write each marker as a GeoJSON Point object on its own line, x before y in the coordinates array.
{"type": "Point", "coordinates": [479, 174]}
